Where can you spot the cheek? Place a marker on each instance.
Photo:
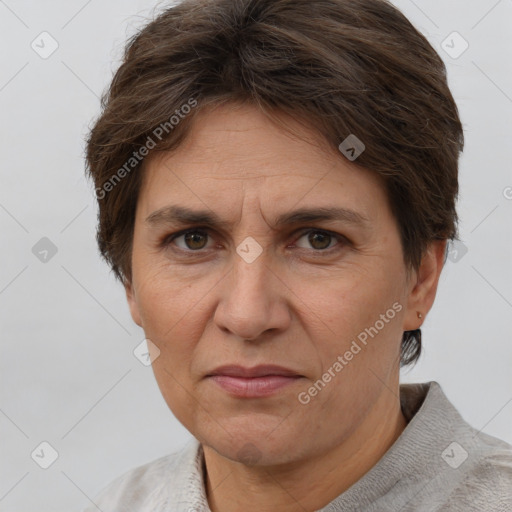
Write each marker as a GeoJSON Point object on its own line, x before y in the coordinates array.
{"type": "Point", "coordinates": [348, 303]}
{"type": "Point", "coordinates": [361, 319]}
{"type": "Point", "coordinates": [177, 391]}
{"type": "Point", "coordinates": [160, 306]}
{"type": "Point", "coordinates": [162, 296]}
{"type": "Point", "coordinates": [174, 312]}
{"type": "Point", "coordinates": [169, 314]}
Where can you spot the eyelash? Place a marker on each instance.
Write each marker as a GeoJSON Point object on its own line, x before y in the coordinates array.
{"type": "Point", "coordinates": [167, 241]}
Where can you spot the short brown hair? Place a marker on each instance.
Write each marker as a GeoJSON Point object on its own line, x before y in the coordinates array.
{"type": "Point", "coordinates": [342, 66]}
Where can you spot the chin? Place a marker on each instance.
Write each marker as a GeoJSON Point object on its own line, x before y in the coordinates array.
{"type": "Point", "coordinates": [255, 448]}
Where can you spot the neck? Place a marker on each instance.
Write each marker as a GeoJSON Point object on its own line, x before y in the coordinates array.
{"type": "Point", "coordinates": [308, 484]}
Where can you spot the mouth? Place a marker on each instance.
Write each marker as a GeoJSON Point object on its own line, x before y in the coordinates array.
{"type": "Point", "coordinates": [260, 381]}
{"type": "Point", "coordinates": [263, 370]}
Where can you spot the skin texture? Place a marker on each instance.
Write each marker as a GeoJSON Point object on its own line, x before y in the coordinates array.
{"type": "Point", "coordinates": [300, 305]}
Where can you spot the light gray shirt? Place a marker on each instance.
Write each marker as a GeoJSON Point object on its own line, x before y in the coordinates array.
{"type": "Point", "coordinates": [438, 464]}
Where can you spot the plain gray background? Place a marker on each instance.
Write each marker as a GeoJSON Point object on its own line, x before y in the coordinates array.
{"type": "Point", "coordinates": [68, 373]}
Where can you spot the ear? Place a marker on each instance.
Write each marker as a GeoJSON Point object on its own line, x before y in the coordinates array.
{"type": "Point", "coordinates": [132, 302]}
{"type": "Point", "coordinates": [423, 285]}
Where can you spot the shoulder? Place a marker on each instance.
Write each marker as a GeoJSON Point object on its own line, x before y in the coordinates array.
{"type": "Point", "coordinates": [148, 485]}
{"type": "Point", "coordinates": [461, 468]}
{"type": "Point", "coordinates": [487, 482]}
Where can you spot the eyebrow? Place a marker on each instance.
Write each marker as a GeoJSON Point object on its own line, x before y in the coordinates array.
{"type": "Point", "coordinates": [182, 215]}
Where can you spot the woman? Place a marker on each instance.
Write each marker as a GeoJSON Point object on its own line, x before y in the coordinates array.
{"type": "Point", "coordinates": [276, 184]}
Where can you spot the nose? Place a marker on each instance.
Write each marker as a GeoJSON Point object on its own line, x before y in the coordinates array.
{"type": "Point", "coordinates": [254, 300]}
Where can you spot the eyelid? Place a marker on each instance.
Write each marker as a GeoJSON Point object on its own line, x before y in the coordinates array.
{"type": "Point", "coordinates": [297, 234]}
{"type": "Point", "coordinates": [337, 236]}
{"type": "Point", "coordinates": [170, 238]}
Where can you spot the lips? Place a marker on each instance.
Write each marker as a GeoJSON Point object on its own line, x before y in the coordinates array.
{"type": "Point", "coordinates": [257, 371]}
{"type": "Point", "coordinates": [257, 382]}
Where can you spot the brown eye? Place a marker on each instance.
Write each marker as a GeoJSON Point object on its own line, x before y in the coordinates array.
{"type": "Point", "coordinates": [194, 240]}
{"type": "Point", "coordinates": [318, 240]}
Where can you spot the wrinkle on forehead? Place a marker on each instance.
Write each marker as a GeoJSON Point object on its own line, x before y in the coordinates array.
{"type": "Point", "coordinates": [239, 164]}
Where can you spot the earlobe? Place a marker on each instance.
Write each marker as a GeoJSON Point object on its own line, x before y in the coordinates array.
{"type": "Point", "coordinates": [132, 303]}
{"type": "Point", "coordinates": [424, 286]}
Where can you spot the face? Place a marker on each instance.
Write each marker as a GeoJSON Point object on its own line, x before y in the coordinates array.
{"type": "Point", "coordinates": [241, 288]}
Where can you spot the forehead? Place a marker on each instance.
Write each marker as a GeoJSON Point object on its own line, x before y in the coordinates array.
{"type": "Point", "coordinates": [235, 150]}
